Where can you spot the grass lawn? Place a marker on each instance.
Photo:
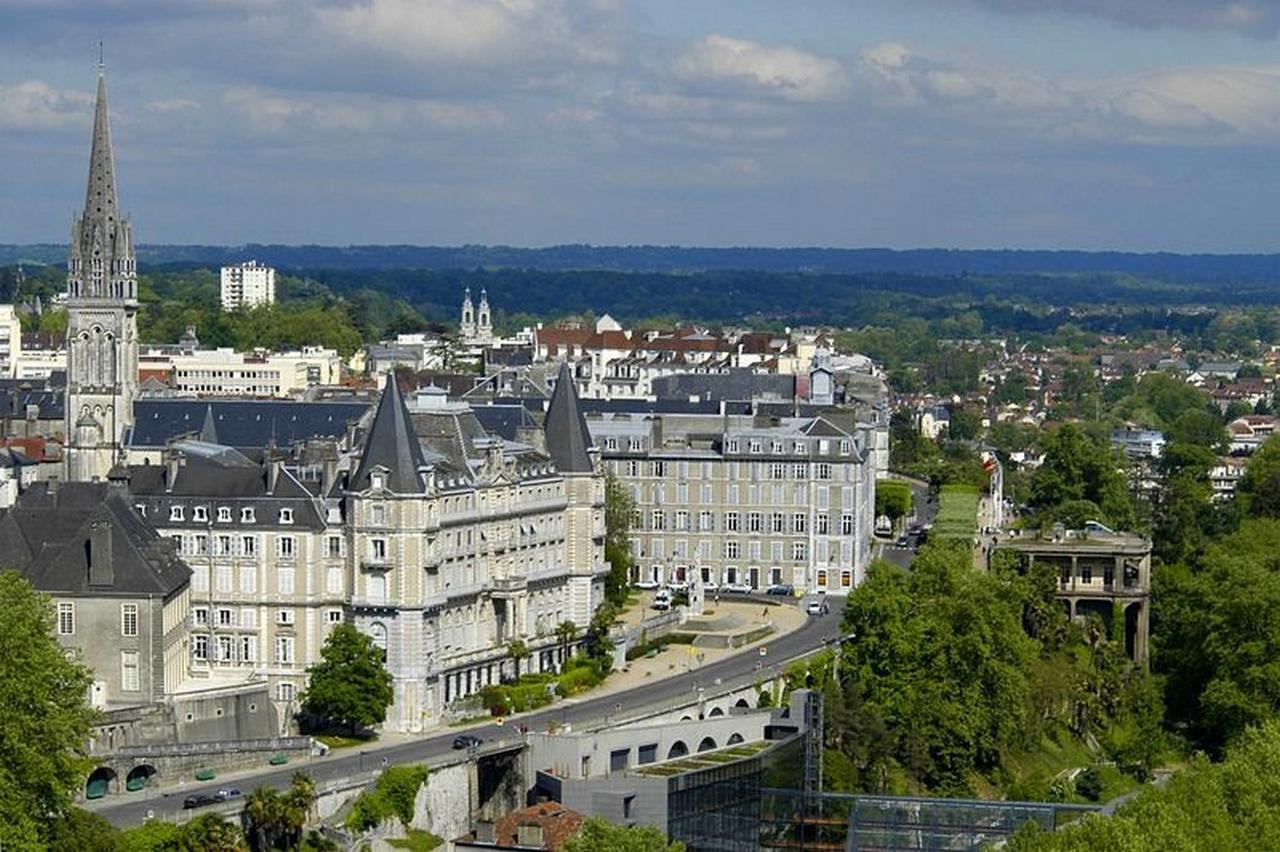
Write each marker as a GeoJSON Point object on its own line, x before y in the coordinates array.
{"type": "Point", "coordinates": [339, 741]}
{"type": "Point", "coordinates": [418, 841]}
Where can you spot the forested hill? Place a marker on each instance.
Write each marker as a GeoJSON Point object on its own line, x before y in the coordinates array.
{"type": "Point", "coordinates": [1202, 268]}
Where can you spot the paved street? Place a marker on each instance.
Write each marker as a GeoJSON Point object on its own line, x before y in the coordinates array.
{"type": "Point", "coordinates": [925, 513]}
{"type": "Point", "coordinates": [130, 809]}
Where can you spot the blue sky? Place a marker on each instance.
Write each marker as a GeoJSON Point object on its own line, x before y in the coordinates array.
{"type": "Point", "coordinates": [1096, 124]}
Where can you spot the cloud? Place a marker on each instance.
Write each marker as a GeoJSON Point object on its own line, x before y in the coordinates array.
{"type": "Point", "coordinates": [1253, 17]}
{"type": "Point", "coordinates": [267, 112]}
{"type": "Point", "coordinates": [36, 105]}
{"type": "Point", "coordinates": [478, 32]}
{"type": "Point", "coordinates": [783, 72]}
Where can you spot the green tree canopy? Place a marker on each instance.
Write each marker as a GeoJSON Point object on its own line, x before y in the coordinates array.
{"type": "Point", "coordinates": [45, 717]}
{"type": "Point", "coordinates": [893, 498]}
{"type": "Point", "coordinates": [1259, 488]}
{"type": "Point", "coordinates": [599, 835]}
{"type": "Point", "coordinates": [1078, 466]}
{"type": "Point", "coordinates": [619, 510]}
{"type": "Point", "coordinates": [350, 684]}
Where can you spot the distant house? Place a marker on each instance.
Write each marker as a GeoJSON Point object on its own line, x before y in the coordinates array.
{"type": "Point", "coordinates": [546, 826]}
{"type": "Point", "coordinates": [1139, 443]}
{"type": "Point", "coordinates": [1248, 433]}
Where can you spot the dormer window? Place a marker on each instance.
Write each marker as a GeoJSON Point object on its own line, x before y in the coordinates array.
{"type": "Point", "coordinates": [776, 446]}
{"type": "Point", "coordinates": [799, 447]}
{"type": "Point", "coordinates": [247, 516]}
{"type": "Point", "coordinates": [175, 513]}
{"type": "Point", "coordinates": [732, 445]}
{"type": "Point", "coordinates": [844, 448]}
{"type": "Point", "coordinates": [378, 479]}
{"type": "Point", "coordinates": [635, 445]}
{"type": "Point", "coordinates": [286, 516]}
{"type": "Point", "coordinates": [224, 514]}
{"type": "Point", "coordinates": [754, 446]}
{"type": "Point", "coordinates": [200, 513]}
{"type": "Point", "coordinates": [141, 509]}
{"type": "Point", "coordinates": [611, 443]}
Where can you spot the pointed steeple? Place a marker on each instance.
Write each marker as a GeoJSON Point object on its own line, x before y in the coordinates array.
{"type": "Point", "coordinates": [391, 444]}
{"type": "Point", "coordinates": [209, 431]}
{"type": "Point", "coordinates": [100, 195]}
{"type": "Point", "coordinates": [568, 441]}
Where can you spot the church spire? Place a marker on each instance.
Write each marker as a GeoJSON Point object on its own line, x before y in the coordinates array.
{"type": "Point", "coordinates": [100, 196]}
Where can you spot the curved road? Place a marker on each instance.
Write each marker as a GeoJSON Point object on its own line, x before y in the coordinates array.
{"type": "Point", "coordinates": [125, 810]}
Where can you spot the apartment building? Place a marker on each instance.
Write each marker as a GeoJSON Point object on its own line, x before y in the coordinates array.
{"type": "Point", "coordinates": [745, 499]}
{"type": "Point", "coordinates": [225, 372]}
{"type": "Point", "coordinates": [247, 285]}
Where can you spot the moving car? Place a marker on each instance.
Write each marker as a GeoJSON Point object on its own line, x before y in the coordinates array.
{"type": "Point", "coordinates": [780, 589]}
{"type": "Point", "coordinates": [662, 600]}
{"type": "Point", "coordinates": [226, 794]}
{"type": "Point", "coordinates": [814, 607]}
{"type": "Point", "coordinates": [736, 588]}
{"type": "Point", "coordinates": [199, 800]}
{"type": "Point", "coordinates": [466, 741]}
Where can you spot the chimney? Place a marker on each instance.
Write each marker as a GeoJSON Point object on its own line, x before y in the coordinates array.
{"type": "Point", "coordinates": [98, 551]}
{"type": "Point", "coordinates": [272, 461]}
{"type": "Point", "coordinates": [484, 832]}
{"type": "Point", "coordinates": [655, 432]}
{"type": "Point", "coordinates": [529, 834]}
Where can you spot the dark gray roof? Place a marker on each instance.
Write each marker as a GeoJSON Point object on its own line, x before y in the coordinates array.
{"type": "Point", "coordinates": [209, 430]}
{"type": "Point", "coordinates": [504, 420]}
{"type": "Point", "coordinates": [14, 400]}
{"type": "Point", "coordinates": [393, 444]}
{"type": "Point", "coordinates": [44, 537]}
{"type": "Point", "coordinates": [736, 384]}
{"type": "Point", "coordinates": [241, 423]}
{"type": "Point", "coordinates": [568, 441]}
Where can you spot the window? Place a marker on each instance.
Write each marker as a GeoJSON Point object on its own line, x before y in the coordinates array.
{"type": "Point", "coordinates": [731, 446]}
{"type": "Point", "coordinates": [611, 443]}
{"type": "Point", "coordinates": [200, 647]}
{"type": "Point", "coordinates": [378, 549]}
{"type": "Point", "coordinates": [659, 519]}
{"type": "Point", "coordinates": [249, 545]}
{"type": "Point", "coordinates": [286, 516]}
{"type": "Point", "coordinates": [284, 649]}
{"type": "Point", "coordinates": [249, 580]}
{"type": "Point", "coordinates": [284, 691]}
{"type": "Point", "coordinates": [798, 448]}
{"type": "Point", "coordinates": [799, 522]}
{"type": "Point", "coordinates": [66, 619]}
{"type": "Point", "coordinates": [175, 513]}
{"type": "Point", "coordinates": [846, 525]}
{"type": "Point", "coordinates": [823, 470]}
{"type": "Point", "coordinates": [222, 545]}
{"type": "Point", "coordinates": [706, 521]}
{"type": "Point", "coordinates": [201, 545]}
{"type": "Point", "coordinates": [247, 516]}
{"type": "Point", "coordinates": [333, 582]}
{"type": "Point", "coordinates": [248, 617]}
{"type": "Point", "coordinates": [824, 525]}
{"type": "Point", "coordinates": [682, 493]}
{"type": "Point", "coordinates": [226, 649]}
{"type": "Point", "coordinates": [200, 513]}
{"type": "Point", "coordinates": [333, 546]}
{"type": "Point", "coordinates": [778, 523]}
{"type": "Point", "coordinates": [285, 546]}
{"type": "Point", "coordinates": [334, 616]}
{"type": "Point", "coordinates": [633, 468]}
{"type": "Point", "coordinates": [799, 551]}
{"type": "Point", "coordinates": [140, 508]}
{"type": "Point", "coordinates": [130, 681]}
{"type": "Point", "coordinates": [226, 617]}
{"type": "Point", "coordinates": [754, 522]}
{"type": "Point", "coordinates": [731, 521]}
{"type": "Point", "coordinates": [248, 649]}
{"type": "Point", "coordinates": [777, 471]}
{"type": "Point", "coordinates": [284, 579]}
{"type": "Point", "coordinates": [224, 514]}
{"type": "Point", "coordinates": [377, 585]}
{"type": "Point", "coordinates": [284, 616]}
{"type": "Point", "coordinates": [844, 448]}
{"type": "Point", "coordinates": [378, 515]}
{"type": "Point", "coordinates": [200, 616]}
{"type": "Point", "coordinates": [800, 470]}
{"type": "Point", "coordinates": [682, 520]}
{"type": "Point", "coordinates": [754, 447]}
{"type": "Point", "coordinates": [658, 468]}
{"type": "Point", "coordinates": [129, 619]}
{"type": "Point", "coordinates": [732, 550]}
{"type": "Point", "coordinates": [647, 754]}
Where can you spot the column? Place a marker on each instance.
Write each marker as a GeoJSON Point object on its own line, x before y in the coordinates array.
{"type": "Point", "coordinates": [1140, 637]}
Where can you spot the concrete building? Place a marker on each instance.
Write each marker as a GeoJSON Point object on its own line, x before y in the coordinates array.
{"type": "Point", "coordinates": [745, 498]}
{"type": "Point", "coordinates": [10, 341]}
{"type": "Point", "coordinates": [1139, 444]}
{"type": "Point", "coordinates": [39, 356]}
{"type": "Point", "coordinates": [247, 285]}
{"type": "Point", "coordinates": [1099, 572]}
{"type": "Point", "coordinates": [225, 372]}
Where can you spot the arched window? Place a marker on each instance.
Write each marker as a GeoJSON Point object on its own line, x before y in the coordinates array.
{"type": "Point", "coordinates": [378, 633]}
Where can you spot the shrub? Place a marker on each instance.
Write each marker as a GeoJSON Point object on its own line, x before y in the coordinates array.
{"type": "Point", "coordinates": [392, 796]}
{"type": "Point", "coordinates": [1089, 784]}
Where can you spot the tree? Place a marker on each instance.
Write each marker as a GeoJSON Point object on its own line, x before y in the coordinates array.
{"type": "Point", "coordinates": [212, 833]}
{"type": "Point", "coordinates": [154, 835]}
{"type": "Point", "coordinates": [81, 831]}
{"type": "Point", "coordinates": [566, 632]}
{"type": "Point", "coordinates": [619, 511]}
{"type": "Point", "coordinates": [518, 651]}
{"type": "Point", "coordinates": [599, 835]}
{"type": "Point", "coordinates": [893, 498]}
{"type": "Point", "coordinates": [350, 684]}
{"type": "Point", "coordinates": [1078, 466]}
{"type": "Point", "coordinates": [45, 718]}
{"type": "Point", "coordinates": [1260, 486]}
{"type": "Point", "coordinates": [263, 817]}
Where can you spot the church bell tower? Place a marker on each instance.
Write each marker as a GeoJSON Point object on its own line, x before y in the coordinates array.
{"type": "Point", "coordinates": [102, 323]}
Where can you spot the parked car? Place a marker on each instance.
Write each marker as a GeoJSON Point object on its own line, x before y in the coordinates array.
{"type": "Point", "coordinates": [226, 794]}
{"type": "Point", "coordinates": [199, 800]}
{"type": "Point", "coordinates": [736, 588]}
{"type": "Point", "coordinates": [662, 600]}
{"type": "Point", "coordinates": [903, 541]}
{"type": "Point", "coordinates": [780, 589]}
{"type": "Point", "coordinates": [710, 585]}
{"type": "Point", "coordinates": [814, 607]}
{"type": "Point", "coordinates": [645, 584]}
{"type": "Point", "coordinates": [462, 741]}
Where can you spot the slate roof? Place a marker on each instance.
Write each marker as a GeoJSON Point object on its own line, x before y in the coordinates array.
{"type": "Point", "coordinates": [737, 384]}
{"type": "Point", "coordinates": [241, 423]}
{"type": "Point", "coordinates": [44, 537]}
{"type": "Point", "coordinates": [504, 420]}
{"type": "Point", "coordinates": [568, 441]}
{"type": "Point", "coordinates": [393, 444]}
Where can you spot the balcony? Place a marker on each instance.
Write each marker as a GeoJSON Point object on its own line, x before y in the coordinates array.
{"type": "Point", "coordinates": [505, 588]}
{"type": "Point", "coordinates": [375, 563]}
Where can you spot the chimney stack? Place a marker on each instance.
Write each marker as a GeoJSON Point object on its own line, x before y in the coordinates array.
{"type": "Point", "coordinates": [98, 551]}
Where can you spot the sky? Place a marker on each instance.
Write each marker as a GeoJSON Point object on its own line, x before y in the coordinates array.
{"type": "Point", "coordinates": [1142, 125]}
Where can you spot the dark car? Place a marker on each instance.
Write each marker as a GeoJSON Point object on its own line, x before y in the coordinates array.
{"type": "Point", "coordinates": [780, 589]}
{"type": "Point", "coordinates": [466, 741]}
{"type": "Point", "coordinates": [226, 794]}
{"type": "Point", "coordinates": [199, 800]}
